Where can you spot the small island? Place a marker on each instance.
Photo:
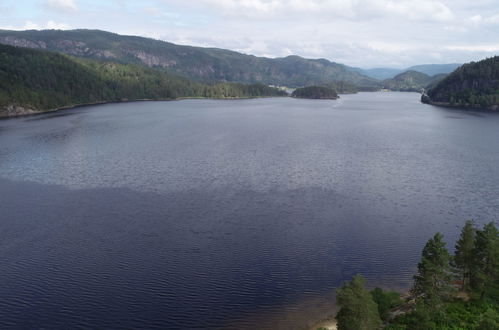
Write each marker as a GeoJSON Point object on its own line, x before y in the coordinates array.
{"type": "Point", "coordinates": [315, 92]}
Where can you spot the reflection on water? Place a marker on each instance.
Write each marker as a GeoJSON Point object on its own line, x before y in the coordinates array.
{"type": "Point", "coordinates": [218, 214]}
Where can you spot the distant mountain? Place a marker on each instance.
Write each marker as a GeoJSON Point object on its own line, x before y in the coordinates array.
{"type": "Point", "coordinates": [380, 73]}
{"type": "Point", "coordinates": [201, 64]}
{"type": "Point", "coordinates": [473, 85]}
{"type": "Point", "coordinates": [33, 81]}
{"type": "Point", "coordinates": [433, 69]}
{"type": "Point", "coordinates": [411, 81]}
{"type": "Point", "coordinates": [429, 69]}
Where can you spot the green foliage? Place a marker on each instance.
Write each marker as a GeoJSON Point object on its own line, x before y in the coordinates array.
{"type": "Point", "coordinates": [410, 81]}
{"type": "Point", "coordinates": [195, 63]}
{"type": "Point", "coordinates": [43, 80]}
{"type": "Point", "coordinates": [464, 255]}
{"type": "Point", "coordinates": [343, 87]}
{"type": "Point", "coordinates": [477, 259]}
{"type": "Point", "coordinates": [358, 310]}
{"type": "Point", "coordinates": [472, 85]}
{"type": "Point", "coordinates": [432, 282]}
{"type": "Point", "coordinates": [385, 301]}
{"type": "Point", "coordinates": [489, 319]}
{"type": "Point", "coordinates": [485, 273]}
{"type": "Point", "coordinates": [455, 315]}
{"type": "Point", "coordinates": [315, 92]}
{"type": "Point", "coordinates": [437, 304]}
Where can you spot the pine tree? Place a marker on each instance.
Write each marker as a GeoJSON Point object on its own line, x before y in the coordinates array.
{"type": "Point", "coordinates": [432, 282]}
{"type": "Point", "coordinates": [485, 274]}
{"type": "Point", "coordinates": [358, 309]}
{"type": "Point", "coordinates": [464, 255]}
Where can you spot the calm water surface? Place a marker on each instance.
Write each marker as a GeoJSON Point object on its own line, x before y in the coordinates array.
{"type": "Point", "coordinates": [229, 214]}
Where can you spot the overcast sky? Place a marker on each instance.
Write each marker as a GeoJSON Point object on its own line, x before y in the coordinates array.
{"type": "Point", "coordinates": [364, 33]}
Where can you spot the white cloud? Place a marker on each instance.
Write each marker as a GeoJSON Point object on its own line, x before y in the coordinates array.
{"type": "Point", "coordinates": [29, 25]}
{"type": "Point", "coordinates": [333, 9]}
{"type": "Point", "coordinates": [62, 5]}
{"type": "Point", "coordinates": [476, 19]}
{"type": "Point", "coordinates": [364, 33]}
{"type": "Point", "coordinates": [489, 48]}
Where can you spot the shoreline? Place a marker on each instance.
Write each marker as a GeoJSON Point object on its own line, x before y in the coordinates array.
{"type": "Point", "coordinates": [326, 324]}
{"type": "Point", "coordinates": [426, 100]}
{"type": "Point", "coordinates": [21, 111]}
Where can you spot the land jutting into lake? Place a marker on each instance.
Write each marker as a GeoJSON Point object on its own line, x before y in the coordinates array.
{"type": "Point", "coordinates": [64, 69]}
{"type": "Point", "coordinates": [225, 214]}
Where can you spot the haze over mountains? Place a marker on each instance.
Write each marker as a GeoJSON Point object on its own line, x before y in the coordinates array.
{"type": "Point", "coordinates": [429, 69]}
{"type": "Point", "coordinates": [205, 64]}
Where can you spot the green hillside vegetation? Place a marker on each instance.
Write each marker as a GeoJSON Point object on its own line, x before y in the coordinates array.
{"type": "Point", "coordinates": [195, 63]}
{"type": "Point", "coordinates": [43, 80]}
{"type": "Point", "coordinates": [449, 292]}
{"type": "Point", "coordinates": [315, 92]}
{"type": "Point", "coordinates": [473, 85]}
{"type": "Point", "coordinates": [343, 87]}
{"type": "Point", "coordinates": [411, 81]}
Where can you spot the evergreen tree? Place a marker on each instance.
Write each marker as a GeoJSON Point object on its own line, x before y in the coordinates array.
{"type": "Point", "coordinates": [432, 282]}
{"type": "Point", "coordinates": [464, 255]}
{"type": "Point", "coordinates": [358, 310]}
{"type": "Point", "coordinates": [485, 275]}
{"type": "Point", "coordinates": [386, 300]}
{"type": "Point", "coordinates": [490, 320]}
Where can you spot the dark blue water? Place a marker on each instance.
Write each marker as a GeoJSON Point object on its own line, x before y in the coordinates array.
{"type": "Point", "coordinates": [229, 214]}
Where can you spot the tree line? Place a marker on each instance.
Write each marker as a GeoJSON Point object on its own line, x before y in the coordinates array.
{"type": "Point", "coordinates": [459, 291]}
{"type": "Point", "coordinates": [475, 84]}
{"type": "Point", "coordinates": [43, 80]}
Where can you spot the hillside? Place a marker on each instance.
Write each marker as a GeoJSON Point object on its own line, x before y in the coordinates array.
{"type": "Point", "coordinates": [429, 69]}
{"type": "Point", "coordinates": [411, 81]}
{"type": "Point", "coordinates": [434, 69]}
{"type": "Point", "coordinates": [201, 64]}
{"type": "Point", "coordinates": [33, 81]}
{"type": "Point", "coordinates": [473, 85]}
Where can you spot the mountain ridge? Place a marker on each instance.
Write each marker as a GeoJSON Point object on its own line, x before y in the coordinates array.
{"type": "Point", "coordinates": [197, 63]}
{"type": "Point", "coordinates": [34, 81]}
{"type": "Point", "coordinates": [429, 69]}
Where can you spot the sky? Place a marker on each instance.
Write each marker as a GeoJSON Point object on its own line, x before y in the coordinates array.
{"type": "Point", "coordinates": [362, 33]}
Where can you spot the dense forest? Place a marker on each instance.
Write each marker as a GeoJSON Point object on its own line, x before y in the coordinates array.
{"type": "Point", "coordinates": [474, 85]}
{"type": "Point", "coordinates": [195, 63]}
{"type": "Point", "coordinates": [43, 80]}
{"type": "Point", "coordinates": [344, 87]}
{"type": "Point", "coordinates": [315, 92]}
{"type": "Point", "coordinates": [459, 291]}
{"type": "Point", "coordinates": [411, 81]}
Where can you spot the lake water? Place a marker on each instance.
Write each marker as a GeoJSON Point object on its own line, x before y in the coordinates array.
{"type": "Point", "coordinates": [229, 214]}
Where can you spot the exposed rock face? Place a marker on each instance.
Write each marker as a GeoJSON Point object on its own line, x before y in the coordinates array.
{"type": "Point", "coordinates": [206, 64]}
{"type": "Point", "coordinates": [71, 47]}
{"type": "Point", "coordinates": [15, 110]}
{"type": "Point", "coordinates": [20, 42]}
{"type": "Point", "coordinates": [151, 60]}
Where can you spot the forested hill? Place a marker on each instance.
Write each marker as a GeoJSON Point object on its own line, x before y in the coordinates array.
{"type": "Point", "coordinates": [411, 81]}
{"type": "Point", "coordinates": [315, 92]}
{"type": "Point", "coordinates": [473, 85]}
{"type": "Point", "coordinates": [32, 81]}
{"type": "Point", "coordinates": [201, 64]}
